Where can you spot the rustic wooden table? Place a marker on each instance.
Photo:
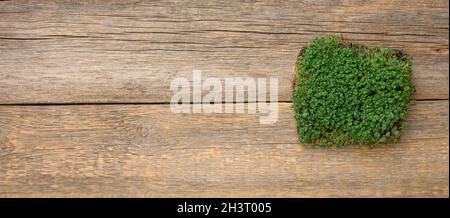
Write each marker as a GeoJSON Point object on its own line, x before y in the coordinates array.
{"type": "Point", "coordinates": [84, 92]}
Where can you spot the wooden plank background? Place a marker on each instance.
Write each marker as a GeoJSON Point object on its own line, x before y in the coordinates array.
{"type": "Point", "coordinates": [70, 69]}
{"type": "Point", "coordinates": [115, 51]}
{"type": "Point", "coordinates": [145, 150]}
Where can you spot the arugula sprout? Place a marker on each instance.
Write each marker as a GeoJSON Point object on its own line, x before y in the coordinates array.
{"type": "Point", "coordinates": [350, 94]}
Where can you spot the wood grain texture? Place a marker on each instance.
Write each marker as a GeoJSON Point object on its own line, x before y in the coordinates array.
{"type": "Point", "coordinates": [115, 51]}
{"type": "Point", "coordinates": [98, 51]}
{"type": "Point", "coordinates": [145, 150]}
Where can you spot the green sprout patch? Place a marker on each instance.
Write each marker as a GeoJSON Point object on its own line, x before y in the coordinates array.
{"type": "Point", "coordinates": [349, 94]}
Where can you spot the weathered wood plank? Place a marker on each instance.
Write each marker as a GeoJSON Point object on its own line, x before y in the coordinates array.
{"type": "Point", "coordinates": [145, 150]}
{"type": "Point", "coordinates": [115, 51]}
